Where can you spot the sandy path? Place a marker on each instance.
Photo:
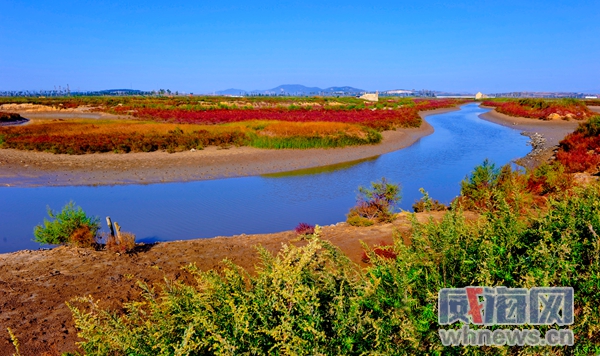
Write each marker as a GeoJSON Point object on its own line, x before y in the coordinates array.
{"type": "Point", "coordinates": [24, 168]}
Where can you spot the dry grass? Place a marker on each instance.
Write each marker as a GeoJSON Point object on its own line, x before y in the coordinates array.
{"type": "Point", "coordinates": [124, 243]}
{"type": "Point", "coordinates": [83, 237]}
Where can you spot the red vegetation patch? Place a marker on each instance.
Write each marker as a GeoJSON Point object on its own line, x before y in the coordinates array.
{"type": "Point", "coordinates": [377, 119]}
{"type": "Point", "coordinates": [580, 151]}
{"type": "Point", "coordinates": [383, 118]}
{"type": "Point", "coordinates": [304, 229]}
{"type": "Point", "coordinates": [81, 138]}
{"type": "Point", "coordinates": [383, 250]}
{"type": "Point", "coordinates": [542, 109]}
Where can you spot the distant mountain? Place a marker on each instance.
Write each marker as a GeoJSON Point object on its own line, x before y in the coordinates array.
{"type": "Point", "coordinates": [119, 91]}
{"type": "Point", "coordinates": [231, 91]}
{"type": "Point", "coordinates": [344, 90]}
{"type": "Point", "coordinates": [294, 89]}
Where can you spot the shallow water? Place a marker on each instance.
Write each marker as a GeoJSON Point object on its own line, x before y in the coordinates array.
{"type": "Point", "coordinates": [277, 202]}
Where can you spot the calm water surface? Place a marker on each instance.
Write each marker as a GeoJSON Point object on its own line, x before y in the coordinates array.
{"type": "Point", "coordinates": [262, 204]}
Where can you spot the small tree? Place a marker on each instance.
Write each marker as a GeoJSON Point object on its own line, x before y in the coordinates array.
{"type": "Point", "coordinates": [67, 223]}
{"type": "Point", "coordinates": [376, 204]}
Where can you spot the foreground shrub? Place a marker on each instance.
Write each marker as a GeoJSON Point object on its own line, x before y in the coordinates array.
{"type": "Point", "coordinates": [71, 225]}
{"type": "Point", "coordinates": [487, 188]}
{"type": "Point", "coordinates": [300, 302]}
{"type": "Point", "coordinates": [375, 205]}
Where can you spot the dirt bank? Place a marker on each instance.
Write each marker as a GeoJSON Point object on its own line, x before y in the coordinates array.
{"type": "Point", "coordinates": [27, 169]}
{"type": "Point", "coordinates": [34, 285]}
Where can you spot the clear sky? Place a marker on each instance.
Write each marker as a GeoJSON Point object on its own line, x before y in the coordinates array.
{"type": "Point", "coordinates": [201, 46]}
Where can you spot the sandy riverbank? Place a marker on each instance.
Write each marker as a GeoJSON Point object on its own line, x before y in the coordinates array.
{"type": "Point", "coordinates": [27, 169]}
{"type": "Point", "coordinates": [553, 131]}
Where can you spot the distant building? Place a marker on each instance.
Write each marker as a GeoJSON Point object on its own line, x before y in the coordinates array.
{"type": "Point", "coordinates": [480, 95]}
{"type": "Point", "coordinates": [370, 97]}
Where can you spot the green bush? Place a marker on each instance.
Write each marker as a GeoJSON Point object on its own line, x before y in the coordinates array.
{"type": "Point", "coordinates": [66, 224]}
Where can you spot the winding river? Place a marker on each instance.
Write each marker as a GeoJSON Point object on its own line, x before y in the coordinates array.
{"type": "Point", "coordinates": [263, 204]}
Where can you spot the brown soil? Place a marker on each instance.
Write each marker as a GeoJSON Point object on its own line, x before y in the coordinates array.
{"type": "Point", "coordinates": [25, 168]}
{"type": "Point", "coordinates": [36, 284]}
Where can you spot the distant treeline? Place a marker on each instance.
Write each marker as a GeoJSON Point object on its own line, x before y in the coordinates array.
{"type": "Point", "coordinates": [61, 92]}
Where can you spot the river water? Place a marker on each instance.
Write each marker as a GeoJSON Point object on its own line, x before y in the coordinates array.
{"type": "Point", "coordinates": [271, 203]}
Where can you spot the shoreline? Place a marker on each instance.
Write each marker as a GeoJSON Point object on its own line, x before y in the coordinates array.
{"type": "Point", "coordinates": [552, 131]}
{"type": "Point", "coordinates": [36, 169]}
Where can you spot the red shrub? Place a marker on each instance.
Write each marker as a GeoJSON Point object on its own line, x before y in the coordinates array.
{"type": "Point", "coordinates": [542, 109]}
{"type": "Point", "coordinates": [383, 250]}
{"type": "Point", "coordinates": [304, 229]}
{"type": "Point", "coordinates": [580, 151]}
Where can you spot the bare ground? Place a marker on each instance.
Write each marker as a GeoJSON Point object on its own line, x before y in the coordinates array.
{"type": "Point", "coordinates": [36, 284]}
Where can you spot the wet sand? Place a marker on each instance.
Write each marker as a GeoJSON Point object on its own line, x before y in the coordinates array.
{"type": "Point", "coordinates": [553, 130]}
{"type": "Point", "coordinates": [30, 169]}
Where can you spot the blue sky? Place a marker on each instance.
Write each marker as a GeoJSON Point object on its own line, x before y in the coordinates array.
{"type": "Point", "coordinates": [489, 46]}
